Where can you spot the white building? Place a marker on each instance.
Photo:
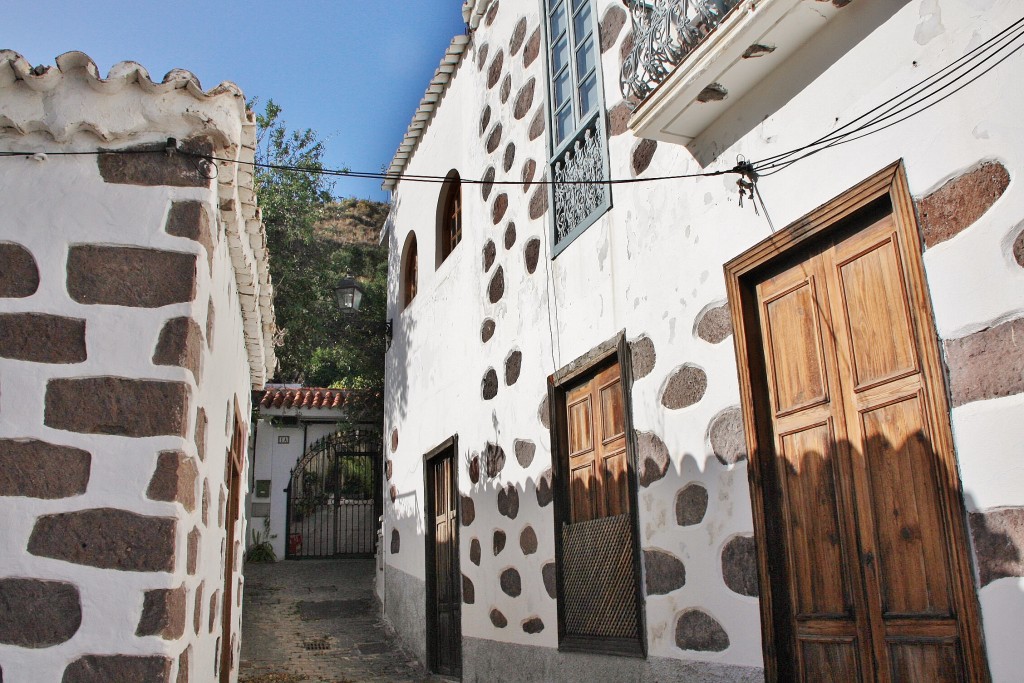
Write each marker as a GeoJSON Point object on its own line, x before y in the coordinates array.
{"type": "Point", "coordinates": [591, 475]}
{"type": "Point", "coordinates": [135, 319]}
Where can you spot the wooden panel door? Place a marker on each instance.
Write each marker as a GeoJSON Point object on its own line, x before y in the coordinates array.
{"type": "Point", "coordinates": [596, 422]}
{"type": "Point", "coordinates": [874, 587]}
{"type": "Point", "coordinates": [444, 594]}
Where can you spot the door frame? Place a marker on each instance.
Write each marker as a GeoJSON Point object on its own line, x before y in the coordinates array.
{"type": "Point", "coordinates": [449, 445]}
{"type": "Point", "coordinates": [232, 520]}
{"type": "Point", "coordinates": [741, 274]}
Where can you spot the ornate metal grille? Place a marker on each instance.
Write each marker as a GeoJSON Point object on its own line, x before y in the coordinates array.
{"type": "Point", "coordinates": [578, 170]}
{"type": "Point", "coordinates": [665, 31]}
{"type": "Point", "coordinates": [598, 578]}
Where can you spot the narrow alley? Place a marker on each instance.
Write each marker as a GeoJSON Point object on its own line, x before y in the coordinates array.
{"type": "Point", "coordinates": [316, 621]}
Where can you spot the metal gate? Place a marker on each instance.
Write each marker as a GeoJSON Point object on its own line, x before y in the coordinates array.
{"type": "Point", "coordinates": [334, 497]}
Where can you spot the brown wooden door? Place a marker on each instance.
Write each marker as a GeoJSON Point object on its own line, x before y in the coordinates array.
{"type": "Point", "coordinates": [596, 421]}
{"type": "Point", "coordinates": [232, 537]}
{"type": "Point", "coordinates": [862, 492]}
{"type": "Point", "coordinates": [444, 594]}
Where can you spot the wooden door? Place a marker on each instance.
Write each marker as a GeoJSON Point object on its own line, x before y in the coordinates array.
{"type": "Point", "coordinates": [860, 490]}
{"type": "Point", "coordinates": [596, 421]}
{"type": "Point", "coordinates": [444, 594]}
{"type": "Point", "coordinates": [232, 537]}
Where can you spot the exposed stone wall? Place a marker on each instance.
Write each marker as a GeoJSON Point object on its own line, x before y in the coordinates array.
{"type": "Point", "coordinates": [107, 368]}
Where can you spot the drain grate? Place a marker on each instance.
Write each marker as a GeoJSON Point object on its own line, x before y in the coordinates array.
{"type": "Point", "coordinates": [317, 644]}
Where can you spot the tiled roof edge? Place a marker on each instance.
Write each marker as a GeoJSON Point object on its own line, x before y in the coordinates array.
{"type": "Point", "coordinates": [428, 105]}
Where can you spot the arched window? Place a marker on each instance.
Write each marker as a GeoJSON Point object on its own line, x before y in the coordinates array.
{"type": "Point", "coordinates": [410, 269]}
{"type": "Point", "coordinates": [449, 216]}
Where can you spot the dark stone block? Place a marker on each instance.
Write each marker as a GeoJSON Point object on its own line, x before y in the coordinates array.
{"type": "Point", "coordinates": [197, 612]}
{"type": "Point", "coordinates": [518, 37]}
{"type": "Point", "coordinates": [485, 120]}
{"type": "Point", "coordinates": [529, 168]}
{"type": "Point", "coordinates": [998, 543]}
{"type": "Point", "coordinates": [474, 468]}
{"type": "Point", "coordinates": [19, 277]}
{"type": "Point", "coordinates": [184, 659]}
{"type": "Point", "coordinates": [539, 203]}
{"type": "Point", "coordinates": [394, 439]}
{"type": "Point", "coordinates": [643, 154]}
{"type": "Point", "coordinates": [498, 542]}
{"type": "Point", "coordinates": [544, 412]}
{"type": "Point", "coordinates": [130, 276]}
{"type": "Point", "coordinates": [685, 387]}
{"type": "Point", "coordinates": [510, 235]}
{"type": "Point", "coordinates": [214, 603]}
{"type": "Point", "coordinates": [961, 201]}
{"type": "Point", "coordinates": [488, 183]}
{"type": "Point", "coordinates": [490, 253]}
{"type": "Point", "coordinates": [506, 88]}
{"type": "Point", "coordinates": [691, 504]}
{"type": "Point", "coordinates": [739, 565]}
{"type": "Point", "coordinates": [654, 458]}
{"type": "Point", "coordinates": [618, 118]}
{"type": "Point", "coordinates": [496, 287]}
{"type": "Point", "coordinates": [626, 47]}
{"type": "Point", "coordinates": [698, 630]}
{"type": "Point", "coordinates": [192, 554]}
{"type": "Point", "coordinates": [174, 479]}
{"type": "Point", "coordinates": [108, 668]}
{"type": "Point", "coordinates": [498, 619]}
{"type": "Point", "coordinates": [524, 99]}
{"type": "Point", "coordinates": [474, 551]}
{"type": "Point", "coordinates": [1018, 250]}
{"type": "Point", "coordinates": [643, 356]}
{"type": "Point", "coordinates": [190, 219]}
{"type": "Point", "coordinates": [714, 325]}
{"type": "Point", "coordinates": [664, 572]}
{"type": "Point", "coordinates": [513, 366]}
{"type": "Point", "coordinates": [206, 502]}
{"type": "Point", "coordinates": [494, 70]}
{"type": "Point", "coordinates": [106, 538]}
{"type": "Point", "coordinates": [494, 459]}
{"type": "Point", "coordinates": [531, 252]}
{"type": "Point", "coordinates": [487, 330]}
{"type": "Point", "coordinates": [181, 344]}
{"type": "Point", "coordinates": [163, 613]}
{"type": "Point", "coordinates": [532, 50]}
{"type": "Point", "coordinates": [210, 317]}
{"type": "Point", "coordinates": [528, 540]}
{"type": "Point", "coordinates": [726, 436]}
{"type": "Point", "coordinates": [37, 614]}
{"type": "Point", "coordinates": [545, 494]}
{"type": "Point", "coordinates": [537, 124]}
{"type": "Point", "coordinates": [222, 505]}
{"type": "Point", "coordinates": [525, 451]}
{"type": "Point", "coordinates": [611, 24]}
{"type": "Point", "coordinates": [716, 92]}
{"type": "Point", "coordinates": [533, 625]}
{"type": "Point", "coordinates": [200, 433]}
{"type": "Point", "coordinates": [499, 208]}
{"type": "Point", "coordinates": [151, 166]}
{"type": "Point", "coordinates": [508, 158]}
{"type": "Point", "coordinates": [508, 501]}
{"type": "Point", "coordinates": [489, 385]}
{"type": "Point", "coordinates": [36, 469]}
{"type": "Point", "coordinates": [125, 407]}
{"type": "Point", "coordinates": [986, 364]}
{"type": "Point", "coordinates": [393, 493]}
{"type": "Point", "coordinates": [42, 338]}
{"type": "Point", "coordinates": [511, 583]}
{"type": "Point", "coordinates": [389, 468]}
{"type": "Point", "coordinates": [468, 511]}
{"type": "Point", "coordinates": [549, 577]}
{"type": "Point", "coordinates": [492, 13]}
{"type": "Point", "coordinates": [481, 56]}
{"type": "Point", "coordinates": [468, 590]}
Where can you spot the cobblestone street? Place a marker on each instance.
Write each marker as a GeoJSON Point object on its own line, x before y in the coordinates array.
{"type": "Point", "coordinates": [317, 621]}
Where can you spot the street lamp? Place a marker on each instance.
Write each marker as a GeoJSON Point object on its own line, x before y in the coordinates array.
{"type": "Point", "coordinates": [350, 295]}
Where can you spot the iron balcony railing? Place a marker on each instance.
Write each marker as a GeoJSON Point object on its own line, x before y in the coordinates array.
{"type": "Point", "coordinates": [664, 33]}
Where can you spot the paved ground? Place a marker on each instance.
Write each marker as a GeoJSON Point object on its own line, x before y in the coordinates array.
{"type": "Point", "coordinates": [317, 621]}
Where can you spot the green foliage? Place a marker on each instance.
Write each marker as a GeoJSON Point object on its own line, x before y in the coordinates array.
{"type": "Point", "coordinates": [313, 243]}
{"type": "Point", "coordinates": [260, 550]}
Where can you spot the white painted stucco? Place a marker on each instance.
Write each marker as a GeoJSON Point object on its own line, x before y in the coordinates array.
{"type": "Point", "coordinates": [652, 264]}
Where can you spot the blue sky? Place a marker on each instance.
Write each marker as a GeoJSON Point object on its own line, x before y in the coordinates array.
{"type": "Point", "coordinates": [353, 70]}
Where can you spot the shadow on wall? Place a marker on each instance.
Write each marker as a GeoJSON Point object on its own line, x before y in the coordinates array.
{"type": "Point", "coordinates": [857, 21]}
{"type": "Point", "coordinates": [396, 362]}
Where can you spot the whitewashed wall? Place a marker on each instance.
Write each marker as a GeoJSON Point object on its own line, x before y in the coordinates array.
{"type": "Point", "coordinates": [651, 266]}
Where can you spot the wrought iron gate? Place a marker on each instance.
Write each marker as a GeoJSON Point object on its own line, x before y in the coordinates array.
{"type": "Point", "coordinates": [334, 497]}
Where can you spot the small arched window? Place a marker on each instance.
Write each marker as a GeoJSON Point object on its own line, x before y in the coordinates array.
{"type": "Point", "coordinates": [410, 269]}
{"type": "Point", "coordinates": [449, 216]}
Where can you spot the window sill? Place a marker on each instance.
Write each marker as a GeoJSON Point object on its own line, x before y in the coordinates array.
{"type": "Point", "coordinates": [753, 40]}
